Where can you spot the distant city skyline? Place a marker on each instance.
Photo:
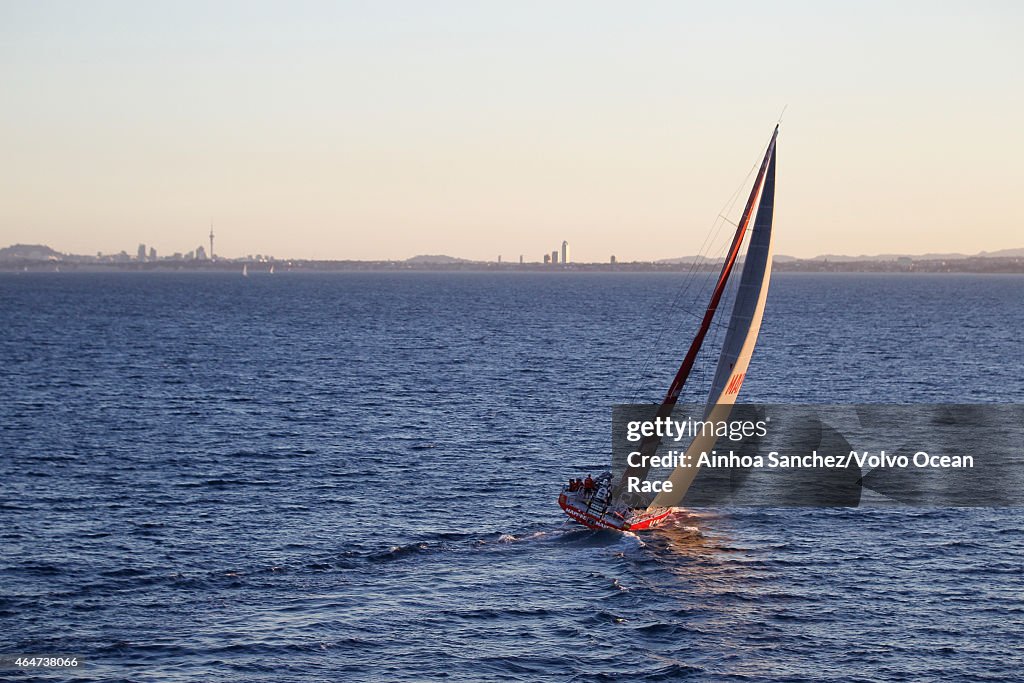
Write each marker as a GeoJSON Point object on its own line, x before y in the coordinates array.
{"type": "Point", "coordinates": [561, 256]}
{"type": "Point", "coordinates": [384, 131]}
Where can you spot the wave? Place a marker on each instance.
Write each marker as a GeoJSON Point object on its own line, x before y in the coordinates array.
{"type": "Point", "coordinates": [225, 483]}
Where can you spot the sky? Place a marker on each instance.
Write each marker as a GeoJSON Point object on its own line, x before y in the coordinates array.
{"type": "Point", "coordinates": [383, 130]}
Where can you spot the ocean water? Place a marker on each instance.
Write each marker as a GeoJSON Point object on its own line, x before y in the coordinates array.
{"type": "Point", "coordinates": [352, 477]}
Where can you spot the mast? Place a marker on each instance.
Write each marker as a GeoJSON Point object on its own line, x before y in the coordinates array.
{"type": "Point", "coordinates": [738, 346]}
{"type": "Point", "coordinates": [649, 445]}
{"type": "Point", "coordinates": [691, 356]}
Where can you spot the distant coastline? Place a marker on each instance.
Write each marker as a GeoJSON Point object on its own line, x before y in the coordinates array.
{"type": "Point", "coordinates": [38, 258]}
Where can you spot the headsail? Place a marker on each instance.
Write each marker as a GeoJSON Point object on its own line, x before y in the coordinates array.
{"type": "Point", "coordinates": [744, 326]}
{"type": "Point", "coordinates": [649, 445]}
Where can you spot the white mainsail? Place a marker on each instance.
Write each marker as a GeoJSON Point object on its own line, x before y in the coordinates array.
{"type": "Point", "coordinates": [744, 326]}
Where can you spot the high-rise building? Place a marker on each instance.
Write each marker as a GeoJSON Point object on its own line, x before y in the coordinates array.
{"type": "Point", "coordinates": [547, 259]}
{"type": "Point", "coordinates": [612, 259]}
{"type": "Point", "coordinates": [152, 253]}
{"type": "Point", "coordinates": [201, 253]}
{"type": "Point", "coordinates": [520, 259]}
{"type": "Point", "coordinates": [142, 252]}
{"type": "Point", "coordinates": [554, 256]}
{"type": "Point", "coordinates": [565, 251]}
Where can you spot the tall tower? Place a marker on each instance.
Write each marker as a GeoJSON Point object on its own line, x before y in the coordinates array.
{"type": "Point", "coordinates": [565, 251]}
{"type": "Point", "coordinates": [211, 240]}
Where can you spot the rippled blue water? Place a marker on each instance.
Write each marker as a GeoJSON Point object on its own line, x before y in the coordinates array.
{"type": "Point", "coordinates": [353, 477]}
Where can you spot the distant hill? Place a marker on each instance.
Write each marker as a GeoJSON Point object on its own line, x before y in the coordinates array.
{"type": "Point", "coordinates": [881, 258]}
{"type": "Point", "coordinates": [841, 258]}
{"type": "Point", "coordinates": [29, 252]}
{"type": "Point", "coordinates": [435, 259]}
{"type": "Point", "coordinates": [689, 259]}
{"type": "Point", "coordinates": [778, 258]}
{"type": "Point", "coordinates": [1002, 253]}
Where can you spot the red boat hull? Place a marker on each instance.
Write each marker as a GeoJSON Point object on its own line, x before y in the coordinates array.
{"type": "Point", "coordinates": [633, 520]}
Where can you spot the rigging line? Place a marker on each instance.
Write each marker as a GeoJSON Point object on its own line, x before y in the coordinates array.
{"type": "Point", "coordinates": [712, 237]}
{"type": "Point", "coordinates": [698, 314]}
{"type": "Point", "coordinates": [709, 275]}
{"type": "Point", "coordinates": [732, 245]}
{"type": "Point", "coordinates": [702, 257]}
{"type": "Point", "coordinates": [675, 328]}
{"type": "Point", "coordinates": [690, 277]}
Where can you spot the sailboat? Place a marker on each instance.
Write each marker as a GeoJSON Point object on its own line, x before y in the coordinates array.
{"type": "Point", "coordinates": [245, 270]}
{"type": "Point", "coordinates": [607, 504]}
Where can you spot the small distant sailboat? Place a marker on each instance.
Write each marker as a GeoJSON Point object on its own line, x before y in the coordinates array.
{"type": "Point", "coordinates": [604, 504]}
{"type": "Point", "coordinates": [271, 268]}
{"type": "Point", "coordinates": [245, 270]}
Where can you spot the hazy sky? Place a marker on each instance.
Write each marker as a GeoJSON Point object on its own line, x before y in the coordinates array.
{"type": "Point", "coordinates": [389, 129]}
